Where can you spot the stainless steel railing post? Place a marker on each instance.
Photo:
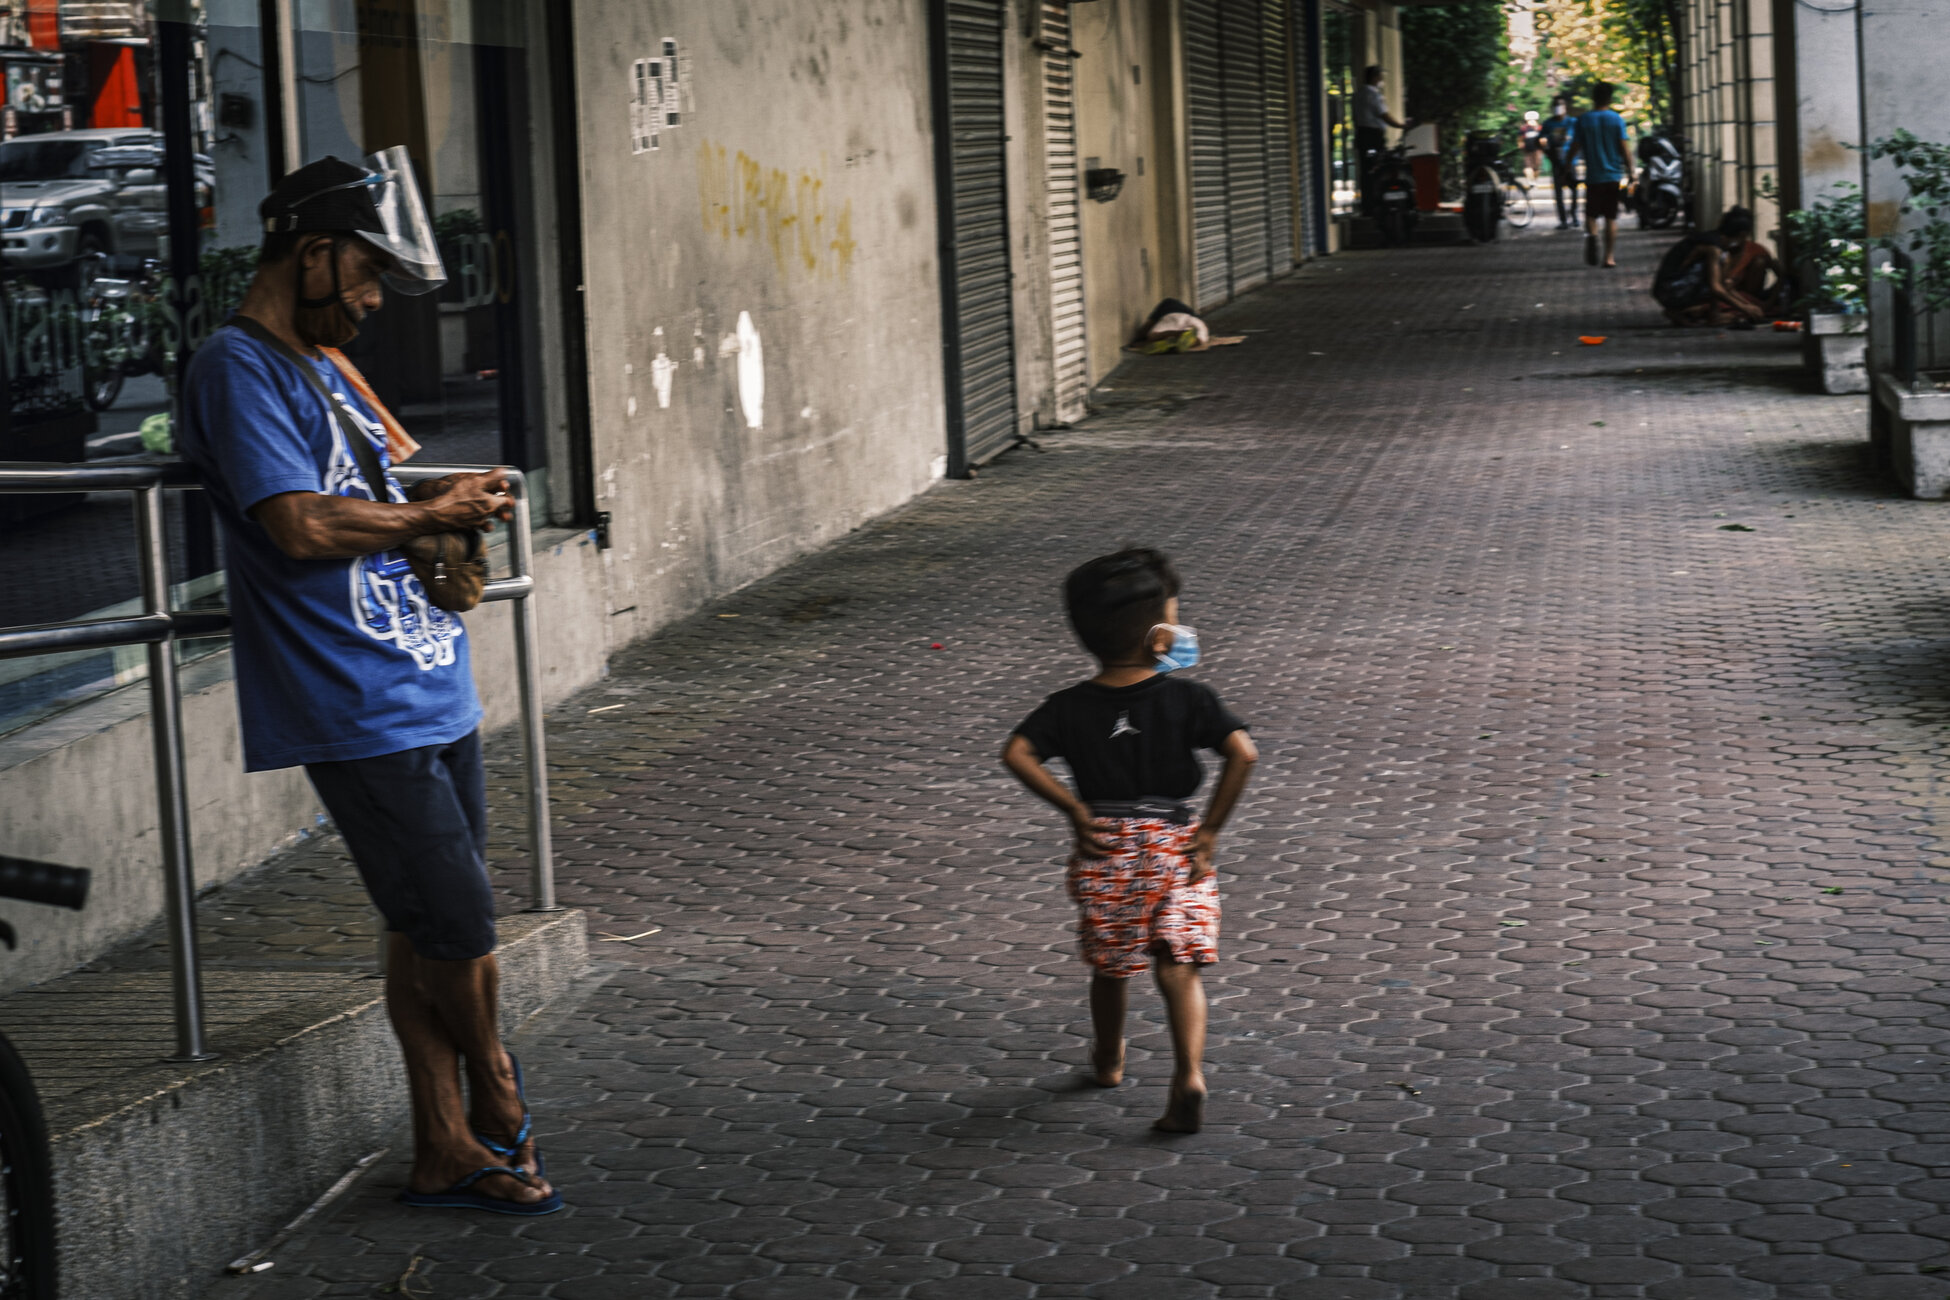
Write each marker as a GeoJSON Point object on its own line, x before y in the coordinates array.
{"type": "Point", "coordinates": [172, 794]}
{"type": "Point", "coordinates": [528, 671]}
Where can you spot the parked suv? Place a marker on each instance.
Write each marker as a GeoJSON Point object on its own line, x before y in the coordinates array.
{"type": "Point", "coordinates": [69, 200]}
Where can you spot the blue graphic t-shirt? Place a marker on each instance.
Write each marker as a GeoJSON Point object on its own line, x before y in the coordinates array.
{"type": "Point", "coordinates": [1601, 139]}
{"type": "Point", "coordinates": [335, 659]}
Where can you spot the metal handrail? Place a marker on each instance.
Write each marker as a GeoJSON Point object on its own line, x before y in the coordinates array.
{"type": "Point", "coordinates": [159, 629]}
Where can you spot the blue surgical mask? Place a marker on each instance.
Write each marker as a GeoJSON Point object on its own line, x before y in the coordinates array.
{"type": "Point", "coordinates": [1183, 651]}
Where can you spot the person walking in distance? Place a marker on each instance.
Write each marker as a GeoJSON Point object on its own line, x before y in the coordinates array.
{"type": "Point", "coordinates": [1600, 139]}
{"type": "Point", "coordinates": [1564, 172]}
{"type": "Point", "coordinates": [1141, 869]}
{"type": "Point", "coordinates": [345, 666]}
{"type": "Point", "coordinates": [1371, 123]}
{"type": "Point", "coordinates": [1530, 138]}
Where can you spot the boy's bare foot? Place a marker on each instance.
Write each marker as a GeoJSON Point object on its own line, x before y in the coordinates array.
{"type": "Point", "coordinates": [1107, 1071]}
{"type": "Point", "coordinates": [1184, 1110]}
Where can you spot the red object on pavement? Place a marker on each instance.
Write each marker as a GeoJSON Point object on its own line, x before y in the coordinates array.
{"type": "Point", "coordinates": [935, 646]}
{"type": "Point", "coordinates": [1592, 340]}
{"type": "Point", "coordinates": [1427, 170]}
{"type": "Point", "coordinates": [1787, 327]}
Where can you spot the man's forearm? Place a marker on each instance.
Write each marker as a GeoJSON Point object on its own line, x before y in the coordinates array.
{"type": "Point", "coordinates": [340, 528]}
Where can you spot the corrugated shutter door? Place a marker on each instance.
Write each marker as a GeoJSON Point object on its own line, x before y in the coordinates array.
{"type": "Point", "coordinates": [1243, 53]}
{"type": "Point", "coordinates": [1279, 139]}
{"type": "Point", "coordinates": [1205, 107]}
{"type": "Point", "coordinates": [985, 336]}
{"type": "Point", "coordinates": [1072, 354]}
{"type": "Point", "coordinates": [1303, 80]}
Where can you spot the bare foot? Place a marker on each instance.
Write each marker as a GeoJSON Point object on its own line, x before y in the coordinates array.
{"type": "Point", "coordinates": [1107, 1074]}
{"type": "Point", "coordinates": [437, 1172]}
{"type": "Point", "coordinates": [1184, 1111]}
{"type": "Point", "coordinates": [498, 1115]}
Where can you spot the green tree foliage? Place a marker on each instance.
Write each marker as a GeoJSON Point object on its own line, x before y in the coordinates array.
{"type": "Point", "coordinates": [1457, 61]}
{"type": "Point", "coordinates": [1633, 44]}
{"type": "Point", "coordinates": [1457, 65]}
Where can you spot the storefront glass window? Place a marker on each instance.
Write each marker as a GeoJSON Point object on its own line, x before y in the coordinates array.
{"type": "Point", "coordinates": [1339, 75]}
{"type": "Point", "coordinates": [94, 327]}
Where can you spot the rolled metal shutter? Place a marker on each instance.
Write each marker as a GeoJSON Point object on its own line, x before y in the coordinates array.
{"type": "Point", "coordinates": [1278, 64]}
{"type": "Point", "coordinates": [1064, 178]}
{"type": "Point", "coordinates": [1243, 56]}
{"type": "Point", "coordinates": [1205, 107]}
{"type": "Point", "coordinates": [972, 182]}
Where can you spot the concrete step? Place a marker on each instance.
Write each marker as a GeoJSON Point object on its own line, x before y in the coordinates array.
{"type": "Point", "coordinates": [166, 1171]}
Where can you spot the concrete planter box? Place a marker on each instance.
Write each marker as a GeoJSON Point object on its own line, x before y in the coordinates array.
{"type": "Point", "coordinates": [1836, 348]}
{"type": "Point", "coordinates": [1911, 428]}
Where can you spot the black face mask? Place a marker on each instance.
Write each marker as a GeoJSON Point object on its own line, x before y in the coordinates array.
{"type": "Point", "coordinates": [322, 322]}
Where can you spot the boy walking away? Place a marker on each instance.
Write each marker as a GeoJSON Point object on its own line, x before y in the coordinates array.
{"type": "Point", "coordinates": [1141, 872]}
{"type": "Point", "coordinates": [1600, 137]}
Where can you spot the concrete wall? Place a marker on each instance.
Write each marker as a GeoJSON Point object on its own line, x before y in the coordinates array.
{"type": "Point", "coordinates": [1903, 48]}
{"type": "Point", "coordinates": [1821, 100]}
{"type": "Point", "coordinates": [1117, 126]}
{"type": "Point", "coordinates": [763, 304]}
{"type": "Point", "coordinates": [1727, 76]}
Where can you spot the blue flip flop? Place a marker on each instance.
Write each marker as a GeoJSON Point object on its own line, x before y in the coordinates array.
{"type": "Point", "coordinates": [527, 1125]}
{"type": "Point", "coordinates": [459, 1197]}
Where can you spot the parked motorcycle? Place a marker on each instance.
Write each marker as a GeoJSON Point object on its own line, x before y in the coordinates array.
{"type": "Point", "coordinates": [1659, 198]}
{"type": "Point", "coordinates": [121, 316]}
{"type": "Point", "coordinates": [1391, 183]}
{"type": "Point", "coordinates": [27, 1258]}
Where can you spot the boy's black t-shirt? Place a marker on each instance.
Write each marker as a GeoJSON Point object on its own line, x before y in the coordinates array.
{"type": "Point", "coordinates": [1129, 742]}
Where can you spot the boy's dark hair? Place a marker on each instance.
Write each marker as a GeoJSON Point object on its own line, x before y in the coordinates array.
{"type": "Point", "coordinates": [1601, 93]}
{"type": "Point", "coordinates": [1115, 600]}
{"type": "Point", "coordinates": [1371, 73]}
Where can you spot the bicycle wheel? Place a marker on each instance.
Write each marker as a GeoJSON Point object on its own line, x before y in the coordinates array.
{"type": "Point", "coordinates": [1516, 205]}
{"type": "Point", "coordinates": [26, 1187]}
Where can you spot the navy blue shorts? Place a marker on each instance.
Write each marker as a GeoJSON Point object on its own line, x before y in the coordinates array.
{"type": "Point", "coordinates": [416, 822]}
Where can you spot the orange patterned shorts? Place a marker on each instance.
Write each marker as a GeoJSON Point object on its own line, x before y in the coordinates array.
{"type": "Point", "coordinates": [1137, 899]}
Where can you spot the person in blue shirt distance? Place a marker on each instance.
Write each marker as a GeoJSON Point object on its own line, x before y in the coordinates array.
{"type": "Point", "coordinates": [1600, 139]}
{"type": "Point", "coordinates": [1564, 172]}
{"type": "Point", "coordinates": [343, 664]}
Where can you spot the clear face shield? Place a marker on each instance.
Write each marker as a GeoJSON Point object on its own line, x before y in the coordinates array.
{"type": "Point", "coordinates": [408, 236]}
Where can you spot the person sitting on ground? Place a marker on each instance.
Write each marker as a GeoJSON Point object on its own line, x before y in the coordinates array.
{"type": "Point", "coordinates": [1141, 872]}
{"type": "Point", "coordinates": [1749, 263]}
{"type": "Point", "coordinates": [1692, 283]}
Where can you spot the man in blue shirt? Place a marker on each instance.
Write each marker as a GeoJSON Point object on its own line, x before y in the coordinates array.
{"type": "Point", "coordinates": [1600, 137]}
{"type": "Point", "coordinates": [343, 665]}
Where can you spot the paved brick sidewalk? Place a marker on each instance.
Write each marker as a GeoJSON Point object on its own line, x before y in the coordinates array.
{"type": "Point", "coordinates": [1581, 924]}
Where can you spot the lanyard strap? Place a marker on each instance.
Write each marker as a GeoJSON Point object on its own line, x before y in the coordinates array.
{"type": "Point", "coordinates": [356, 439]}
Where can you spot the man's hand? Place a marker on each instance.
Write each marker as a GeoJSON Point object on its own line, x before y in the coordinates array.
{"type": "Point", "coordinates": [1093, 838]}
{"type": "Point", "coordinates": [315, 526]}
{"type": "Point", "coordinates": [466, 500]}
{"type": "Point", "coordinates": [1204, 844]}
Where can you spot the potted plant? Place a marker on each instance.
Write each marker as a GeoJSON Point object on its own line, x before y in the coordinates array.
{"type": "Point", "coordinates": [1830, 242]}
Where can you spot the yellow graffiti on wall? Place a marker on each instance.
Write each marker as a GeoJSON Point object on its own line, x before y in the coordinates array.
{"type": "Point", "coordinates": [741, 199]}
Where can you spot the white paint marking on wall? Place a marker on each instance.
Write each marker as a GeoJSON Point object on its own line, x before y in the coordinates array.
{"type": "Point", "coordinates": [632, 407]}
{"type": "Point", "coordinates": [727, 346]}
{"type": "Point", "coordinates": [805, 413]}
{"type": "Point", "coordinates": [751, 371]}
{"type": "Point", "coordinates": [662, 372]}
{"type": "Point", "coordinates": [938, 467]}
